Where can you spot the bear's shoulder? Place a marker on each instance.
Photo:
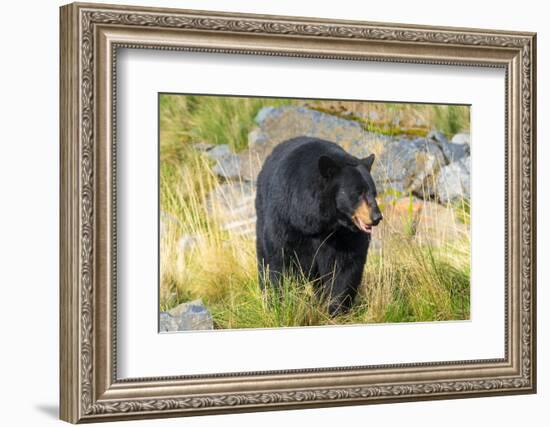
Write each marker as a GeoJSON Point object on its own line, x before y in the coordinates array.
{"type": "Point", "coordinates": [301, 155]}
{"type": "Point", "coordinates": [305, 148]}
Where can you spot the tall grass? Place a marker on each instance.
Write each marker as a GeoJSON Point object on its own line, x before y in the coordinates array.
{"type": "Point", "coordinates": [215, 120]}
{"type": "Point", "coordinates": [389, 118]}
{"type": "Point", "coordinates": [407, 279]}
{"type": "Point", "coordinates": [227, 120]}
{"type": "Point", "coordinates": [451, 119]}
{"type": "Point", "coordinates": [210, 263]}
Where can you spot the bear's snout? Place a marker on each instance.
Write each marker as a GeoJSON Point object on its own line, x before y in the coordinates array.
{"type": "Point", "coordinates": [376, 216]}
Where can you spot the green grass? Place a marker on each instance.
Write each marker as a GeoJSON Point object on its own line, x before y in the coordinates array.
{"type": "Point", "coordinates": [451, 119]}
{"type": "Point", "coordinates": [462, 210]}
{"type": "Point", "coordinates": [227, 120]}
{"type": "Point", "coordinates": [405, 281]}
{"type": "Point", "coordinates": [215, 120]}
{"type": "Point", "coordinates": [413, 120]}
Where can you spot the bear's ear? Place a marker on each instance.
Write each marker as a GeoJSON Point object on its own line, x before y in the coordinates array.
{"type": "Point", "coordinates": [368, 161]}
{"type": "Point", "coordinates": [328, 166]}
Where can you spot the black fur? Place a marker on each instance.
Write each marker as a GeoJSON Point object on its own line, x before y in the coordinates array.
{"type": "Point", "coordinates": [307, 191]}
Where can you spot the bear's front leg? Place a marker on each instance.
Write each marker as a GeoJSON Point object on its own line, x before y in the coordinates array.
{"type": "Point", "coordinates": [340, 264]}
{"type": "Point", "coordinates": [343, 287]}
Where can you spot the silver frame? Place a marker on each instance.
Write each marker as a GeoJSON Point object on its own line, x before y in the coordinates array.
{"type": "Point", "coordinates": [90, 37]}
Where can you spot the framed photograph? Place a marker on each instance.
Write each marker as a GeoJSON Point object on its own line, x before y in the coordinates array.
{"type": "Point", "coordinates": [266, 212]}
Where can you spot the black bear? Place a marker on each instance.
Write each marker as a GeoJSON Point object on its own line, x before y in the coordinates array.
{"type": "Point", "coordinates": [315, 206]}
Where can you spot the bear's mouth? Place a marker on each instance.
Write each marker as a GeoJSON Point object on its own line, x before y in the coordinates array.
{"type": "Point", "coordinates": [361, 217]}
{"type": "Point", "coordinates": [363, 226]}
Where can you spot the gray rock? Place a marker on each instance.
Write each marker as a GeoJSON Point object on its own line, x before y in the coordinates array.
{"type": "Point", "coordinates": [461, 138]}
{"type": "Point", "coordinates": [437, 136]}
{"type": "Point", "coordinates": [257, 137]}
{"type": "Point", "coordinates": [408, 166]}
{"type": "Point", "coordinates": [219, 152]}
{"type": "Point", "coordinates": [454, 152]}
{"type": "Point", "coordinates": [189, 316]}
{"type": "Point", "coordinates": [167, 323]}
{"type": "Point", "coordinates": [263, 114]}
{"type": "Point", "coordinates": [228, 164]}
{"type": "Point", "coordinates": [404, 165]}
{"type": "Point", "coordinates": [203, 147]}
{"type": "Point", "coordinates": [228, 167]}
{"type": "Point", "coordinates": [282, 123]}
{"type": "Point", "coordinates": [453, 181]}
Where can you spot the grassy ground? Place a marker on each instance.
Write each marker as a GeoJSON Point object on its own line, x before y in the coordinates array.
{"type": "Point", "coordinates": [407, 280]}
{"type": "Point", "coordinates": [216, 120]}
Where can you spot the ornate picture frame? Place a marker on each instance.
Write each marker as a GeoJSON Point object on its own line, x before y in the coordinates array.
{"type": "Point", "coordinates": [90, 37]}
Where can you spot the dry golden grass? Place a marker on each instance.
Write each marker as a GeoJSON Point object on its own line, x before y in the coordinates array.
{"type": "Point", "coordinates": [405, 280]}
{"type": "Point", "coordinates": [418, 271]}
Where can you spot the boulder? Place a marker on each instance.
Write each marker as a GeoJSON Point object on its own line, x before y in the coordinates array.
{"type": "Point", "coordinates": [277, 124]}
{"type": "Point", "coordinates": [403, 165]}
{"type": "Point", "coordinates": [227, 164]}
{"type": "Point", "coordinates": [189, 316]}
{"type": "Point", "coordinates": [257, 137]}
{"type": "Point", "coordinates": [437, 137]}
{"type": "Point", "coordinates": [461, 138]}
{"type": "Point", "coordinates": [452, 151]}
{"type": "Point", "coordinates": [228, 167]}
{"type": "Point", "coordinates": [408, 166]}
{"type": "Point", "coordinates": [219, 151]}
{"type": "Point", "coordinates": [203, 147]}
{"type": "Point", "coordinates": [453, 181]}
{"type": "Point", "coordinates": [167, 323]}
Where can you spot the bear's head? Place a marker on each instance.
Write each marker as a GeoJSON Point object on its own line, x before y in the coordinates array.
{"type": "Point", "coordinates": [352, 188]}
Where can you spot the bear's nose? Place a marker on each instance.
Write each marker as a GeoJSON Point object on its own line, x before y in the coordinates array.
{"type": "Point", "coordinates": [376, 218]}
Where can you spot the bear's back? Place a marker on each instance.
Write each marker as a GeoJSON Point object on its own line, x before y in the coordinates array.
{"type": "Point", "coordinates": [296, 160]}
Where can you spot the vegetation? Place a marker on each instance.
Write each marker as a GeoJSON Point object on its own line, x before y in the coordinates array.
{"type": "Point", "coordinates": [216, 119]}
{"type": "Point", "coordinates": [408, 279]}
